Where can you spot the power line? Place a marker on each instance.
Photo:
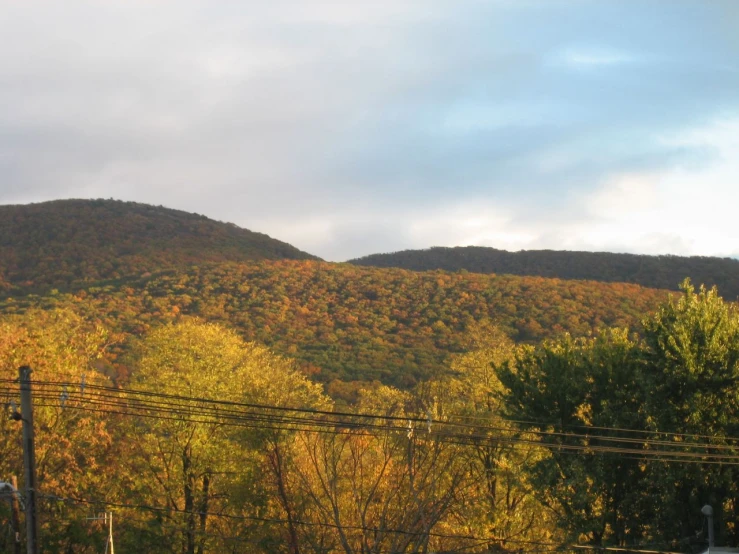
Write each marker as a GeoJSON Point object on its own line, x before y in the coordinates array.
{"type": "Point", "coordinates": [403, 419]}
{"type": "Point", "coordinates": [167, 406]}
{"type": "Point", "coordinates": [267, 422]}
{"type": "Point", "coordinates": [328, 419]}
{"type": "Point", "coordinates": [164, 406]}
{"type": "Point", "coordinates": [590, 436]}
{"type": "Point", "coordinates": [105, 385]}
{"type": "Point", "coordinates": [566, 450]}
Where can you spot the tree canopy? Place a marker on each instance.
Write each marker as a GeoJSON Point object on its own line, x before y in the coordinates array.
{"type": "Point", "coordinates": [669, 394]}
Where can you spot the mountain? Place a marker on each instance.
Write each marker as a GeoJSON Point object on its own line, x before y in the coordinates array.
{"type": "Point", "coordinates": [64, 242]}
{"type": "Point", "coordinates": [664, 272]}
{"type": "Point", "coordinates": [349, 323]}
{"type": "Point", "coordinates": [133, 267]}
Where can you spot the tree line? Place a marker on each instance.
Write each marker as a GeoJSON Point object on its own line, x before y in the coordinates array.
{"type": "Point", "coordinates": [662, 272]}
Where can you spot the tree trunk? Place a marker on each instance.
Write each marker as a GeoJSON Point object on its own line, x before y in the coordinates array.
{"type": "Point", "coordinates": [204, 512]}
{"type": "Point", "coordinates": [189, 482]}
{"type": "Point", "coordinates": [276, 461]}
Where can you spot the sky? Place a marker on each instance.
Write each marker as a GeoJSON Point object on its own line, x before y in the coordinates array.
{"type": "Point", "coordinates": [352, 127]}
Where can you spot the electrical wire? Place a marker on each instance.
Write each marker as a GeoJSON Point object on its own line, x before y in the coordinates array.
{"type": "Point", "coordinates": [403, 419]}
{"type": "Point", "coordinates": [163, 406]}
{"type": "Point", "coordinates": [221, 412]}
{"type": "Point", "coordinates": [182, 407]}
{"type": "Point", "coordinates": [105, 384]}
{"type": "Point", "coordinates": [462, 440]}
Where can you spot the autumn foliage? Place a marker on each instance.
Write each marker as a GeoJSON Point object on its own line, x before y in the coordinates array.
{"type": "Point", "coordinates": [356, 323]}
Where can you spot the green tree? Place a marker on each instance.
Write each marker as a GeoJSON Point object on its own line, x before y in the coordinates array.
{"type": "Point", "coordinates": [499, 502]}
{"type": "Point", "coordinates": [692, 387]}
{"type": "Point", "coordinates": [560, 388]}
{"type": "Point", "coordinates": [676, 385]}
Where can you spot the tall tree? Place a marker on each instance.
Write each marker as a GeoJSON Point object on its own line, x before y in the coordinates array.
{"type": "Point", "coordinates": [560, 388]}
{"type": "Point", "coordinates": [379, 490]}
{"type": "Point", "coordinates": [692, 387]}
{"type": "Point", "coordinates": [499, 504]}
{"type": "Point", "coordinates": [192, 465]}
{"type": "Point", "coordinates": [674, 387]}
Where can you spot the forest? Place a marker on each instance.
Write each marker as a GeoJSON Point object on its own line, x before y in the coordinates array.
{"type": "Point", "coordinates": [215, 444]}
{"type": "Point", "coordinates": [66, 242]}
{"type": "Point", "coordinates": [219, 391]}
{"type": "Point", "coordinates": [662, 272]}
{"type": "Point", "coordinates": [348, 324]}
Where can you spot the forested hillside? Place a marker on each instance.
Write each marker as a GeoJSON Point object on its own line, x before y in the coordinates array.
{"type": "Point", "coordinates": [228, 384]}
{"type": "Point", "coordinates": [212, 444]}
{"type": "Point", "coordinates": [66, 241]}
{"type": "Point", "coordinates": [663, 272]}
{"type": "Point", "coordinates": [357, 323]}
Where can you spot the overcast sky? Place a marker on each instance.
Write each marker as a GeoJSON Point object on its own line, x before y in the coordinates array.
{"type": "Point", "coordinates": [350, 127]}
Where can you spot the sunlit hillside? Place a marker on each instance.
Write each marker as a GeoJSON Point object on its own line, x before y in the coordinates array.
{"type": "Point", "coordinates": [358, 323]}
{"type": "Point", "coordinates": [69, 241]}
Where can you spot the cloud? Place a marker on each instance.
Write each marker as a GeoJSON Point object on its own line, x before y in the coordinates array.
{"type": "Point", "coordinates": [348, 128]}
{"type": "Point", "coordinates": [585, 58]}
{"type": "Point", "coordinates": [679, 210]}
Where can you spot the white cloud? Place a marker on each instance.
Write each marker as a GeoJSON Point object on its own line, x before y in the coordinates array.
{"type": "Point", "coordinates": [310, 233]}
{"type": "Point", "coordinates": [678, 210]}
{"type": "Point", "coordinates": [587, 58]}
{"type": "Point", "coordinates": [624, 196]}
{"type": "Point", "coordinates": [466, 224]}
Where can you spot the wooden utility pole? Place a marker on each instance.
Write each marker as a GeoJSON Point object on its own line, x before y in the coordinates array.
{"type": "Point", "coordinates": [15, 517]}
{"type": "Point", "coordinates": [29, 460]}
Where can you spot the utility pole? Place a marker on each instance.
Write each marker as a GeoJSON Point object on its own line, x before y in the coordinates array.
{"type": "Point", "coordinates": [15, 517]}
{"type": "Point", "coordinates": [107, 517]}
{"type": "Point", "coordinates": [110, 535]}
{"type": "Point", "coordinates": [708, 512]}
{"type": "Point", "coordinates": [29, 460]}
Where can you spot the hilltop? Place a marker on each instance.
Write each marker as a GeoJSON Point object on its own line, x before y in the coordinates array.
{"type": "Point", "coordinates": [64, 242]}
{"type": "Point", "coordinates": [663, 272]}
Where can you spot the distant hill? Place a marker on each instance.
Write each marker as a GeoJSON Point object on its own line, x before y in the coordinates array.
{"type": "Point", "coordinates": [133, 266]}
{"type": "Point", "coordinates": [356, 323]}
{"type": "Point", "coordinates": [664, 272]}
{"type": "Point", "coordinates": [82, 241]}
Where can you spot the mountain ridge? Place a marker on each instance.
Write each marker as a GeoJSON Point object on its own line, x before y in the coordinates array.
{"type": "Point", "coordinates": [662, 272]}
{"type": "Point", "coordinates": [67, 243]}
{"type": "Point", "coordinates": [134, 266]}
